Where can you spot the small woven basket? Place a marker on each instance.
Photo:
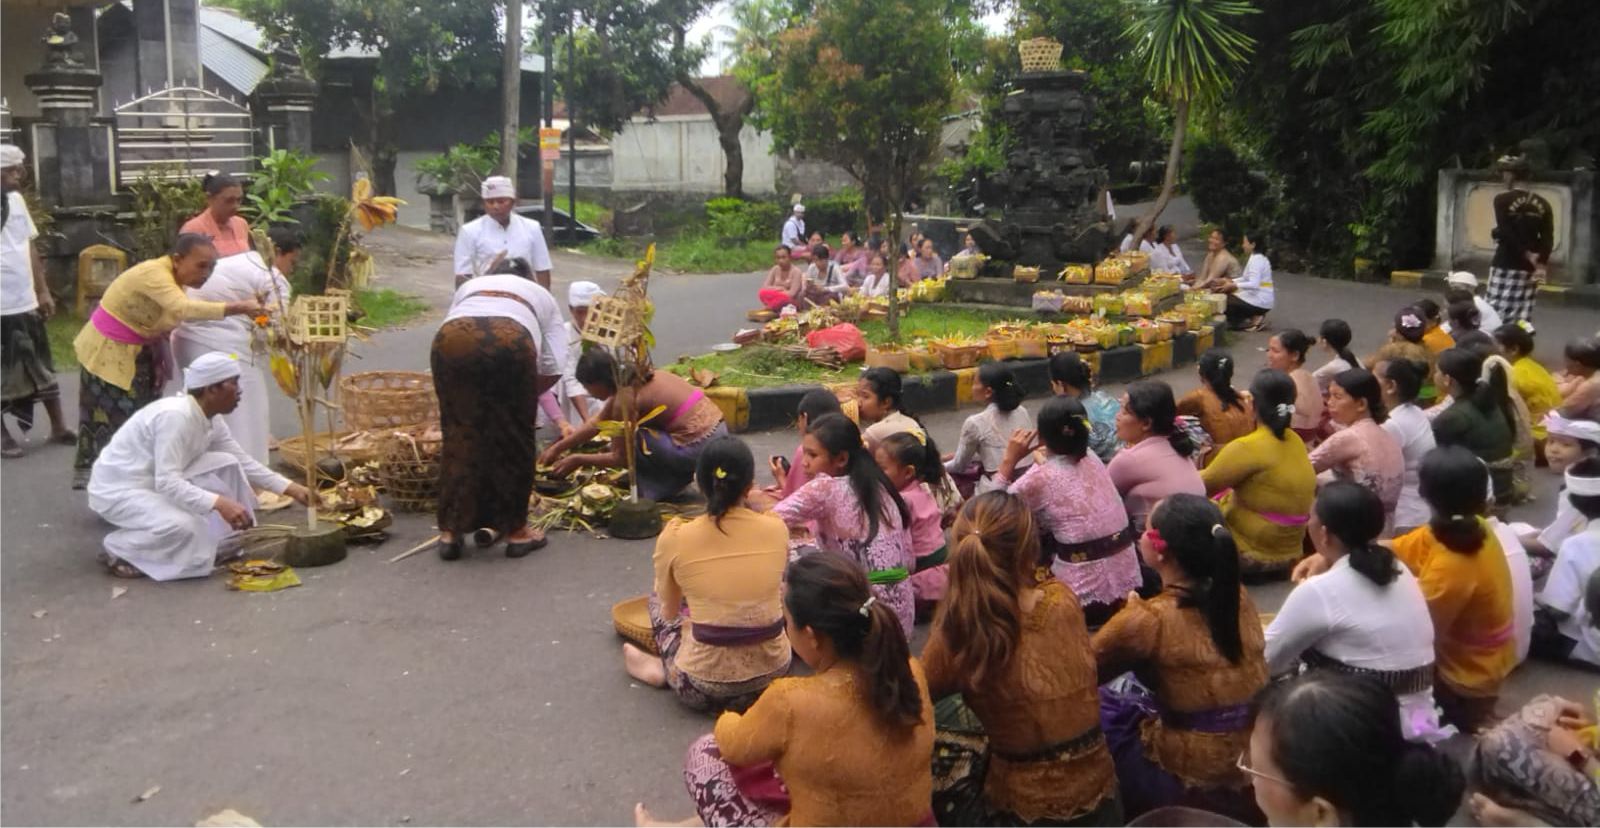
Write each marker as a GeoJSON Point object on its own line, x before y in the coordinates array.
{"type": "Point", "coordinates": [632, 620]}
{"type": "Point", "coordinates": [380, 400]}
{"type": "Point", "coordinates": [408, 465]}
{"type": "Point", "coordinates": [352, 448]}
{"type": "Point", "coordinates": [1040, 54]}
{"type": "Point", "coordinates": [319, 319]}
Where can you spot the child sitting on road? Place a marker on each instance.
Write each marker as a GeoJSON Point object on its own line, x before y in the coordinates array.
{"type": "Point", "coordinates": [1434, 337]}
{"type": "Point", "coordinates": [1580, 382]}
{"type": "Point", "coordinates": [1530, 379]}
{"type": "Point", "coordinates": [911, 462]}
{"type": "Point", "coordinates": [789, 474]}
{"type": "Point", "coordinates": [1335, 337]}
{"type": "Point", "coordinates": [1564, 629]}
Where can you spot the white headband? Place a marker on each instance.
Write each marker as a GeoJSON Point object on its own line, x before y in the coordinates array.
{"type": "Point", "coordinates": [1586, 486]}
{"type": "Point", "coordinates": [1574, 428]}
{"type": "Point", "coordinates": [498, 186]}
{"type": "Point", "coordinates": [210, 369]}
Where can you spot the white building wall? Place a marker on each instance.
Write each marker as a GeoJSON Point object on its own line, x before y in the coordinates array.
{"type": "Point", "coordinates": [681, 153]}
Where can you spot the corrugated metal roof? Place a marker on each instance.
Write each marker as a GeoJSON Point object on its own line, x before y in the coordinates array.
{"type": "Point", "coordinates": [245, 34]}
{"type": "Point", "coordinates": [237, 66]}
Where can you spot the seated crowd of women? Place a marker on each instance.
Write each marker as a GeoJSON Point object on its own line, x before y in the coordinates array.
{"type": "Point", "coordinates": [1093, 655]}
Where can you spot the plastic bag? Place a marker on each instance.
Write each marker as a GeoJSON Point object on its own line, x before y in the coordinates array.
{"type": "Point", "coordinates": [844, 338]}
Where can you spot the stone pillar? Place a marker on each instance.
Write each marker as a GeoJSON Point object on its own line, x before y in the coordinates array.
{"type": "Point", "coordinates": [72, 154]}
{"type": "Point", "coordinates": [168, 39]}
{"type": "Point", "coordinates": [289, 97]}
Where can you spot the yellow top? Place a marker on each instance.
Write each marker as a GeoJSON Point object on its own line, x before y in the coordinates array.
{"type": "Point", "coordinates": [1469, 597]}
{"type": "Point", "coordinates": [1268, 476]}
{"type": "Point", "coordinates": [732, 576]}
{"type": "Point", "coordinates": [148, 299]}
{"type": "Point", "coordinates": [1437, 340]}
{"type": "Point", "coordinates": [1538, 390]}
{"type": "Point", "coordinates": [843, 764]}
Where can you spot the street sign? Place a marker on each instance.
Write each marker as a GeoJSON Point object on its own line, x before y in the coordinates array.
{"type": "Point", "coordinates": [549, 144]}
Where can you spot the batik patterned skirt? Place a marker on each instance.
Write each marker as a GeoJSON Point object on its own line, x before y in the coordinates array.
{"type": "Point", "coordinates": [103, 408]}
{"type": "Point", "coordinates": [698, 694]}
{"type": "Point", "coordinates": [484, 371]}
{"type": "Point", "coordinates": [27, 374]}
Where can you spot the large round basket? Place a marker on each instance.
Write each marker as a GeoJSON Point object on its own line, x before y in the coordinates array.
{"type": "Point", "coordinates": [378, 400]}
{"type": "Point", "coordinates": [1040, 54]}
{"type": "Point", "coordinates": [408, 465]}
{"type": "Point", "coordinates": [632, 620]}
{"type": "Point", "coordinates": [351, 448]}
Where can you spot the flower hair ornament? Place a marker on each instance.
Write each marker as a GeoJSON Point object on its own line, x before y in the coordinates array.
{"type": "Point", "coordinates": [1285, 409]}
{"type": "Point", "coordinates": [867, 605]}
{"type": "Point", "coordinates": [1525, 325]}
{"type": "Point", "coordinates": [1153, 537]}
{"type": "Point", "coordinates": [1410, 320]}
{"type": "Point", "coordinates": [721, 473]}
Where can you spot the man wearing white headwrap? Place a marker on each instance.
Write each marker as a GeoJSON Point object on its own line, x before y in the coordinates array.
{"type": "Point", "coordinates": [576, 402]}
{"type": "Point", "coordinates": [174, 481]}
{"type": "Point", "coordinates": [1568, 628]}
{"type": "Point", "coordinates": [500, 235]}
{"type": "Point", "coordinates": [1569, 441]}
{"type": "Point", "coordinates": [27, 374]}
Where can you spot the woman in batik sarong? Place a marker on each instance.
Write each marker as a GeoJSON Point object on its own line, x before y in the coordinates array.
{"type": "Point", "coordinates": [1177, 726]}
{"type": "Point", "coordinates": [498, 350]}
{"type": "Point", "coordinates": [669, 445]}
{"type": "Point", "coordinates": [124, 351]}
{"type": "Point", "coordinates": [851, 744]}
{"type": "Point", "coordinates": [717, 610]}
{"type": "Point", "coordinates": [1019, 739]}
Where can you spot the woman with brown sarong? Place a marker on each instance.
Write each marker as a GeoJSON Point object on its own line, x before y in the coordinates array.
{"type": "Point", "coordinates": [496, 352]}
{"type": "Point", "coordinates": [123, 349]}
{"type": "Point", "coordinates": [669, 445]}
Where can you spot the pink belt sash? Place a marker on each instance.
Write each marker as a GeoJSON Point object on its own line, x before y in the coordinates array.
{"type": "Point", "coordinates": [683, 409]}
{"type": "Point", "coordinates": [1488, 641]}
{"type": "Point", "coordinates": [1270, 517]}
{"type": "Point", "coordinates": [116, 330]}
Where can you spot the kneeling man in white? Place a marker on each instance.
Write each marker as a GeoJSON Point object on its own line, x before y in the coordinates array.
{"type": "Point", "coordinates": [174, 481]}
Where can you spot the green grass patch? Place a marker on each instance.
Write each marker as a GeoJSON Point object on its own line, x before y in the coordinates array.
{"type": "Point", "coordinates": [63, 328]}
{"type": "Point", "coordinates": [387, 308]}
{"type": "Point", "coordinates": [763, 366]}
{"type": "Point", "coordinates": [695, 251]}
{"type": "Point", "coordinates": [589, 212]}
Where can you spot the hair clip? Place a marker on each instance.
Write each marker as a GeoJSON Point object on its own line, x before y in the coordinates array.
{"type": "Point", "coordinates": [1285, 409]}
{"type": "Point", "coordinates": [1087, 426]}
{"type": "Point", "coordinates": [871, 599]}
{"type": "Point", "coordinates": [1525, 325]}
{"type": "Point", "coordinates": [1217, 529]}
{"type": "Point", "coordinates": [921, 438]}
{"type": "Point", "coordinates": [721, 475]}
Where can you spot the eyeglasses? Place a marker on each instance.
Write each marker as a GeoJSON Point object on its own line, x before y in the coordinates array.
{"type": "Point", "coordinates": [1241, 764]}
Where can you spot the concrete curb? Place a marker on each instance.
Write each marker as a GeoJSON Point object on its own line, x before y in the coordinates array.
{"type": "Point", "coordinates": [1569, 296]}
{"type": "Point", "coordinates": [761, 409]}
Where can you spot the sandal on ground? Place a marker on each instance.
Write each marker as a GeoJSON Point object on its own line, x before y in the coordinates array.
{"type": "Point", "coordinates": [450, 550]}
{"type": "Point", "coordinates": [11, 452]}
{"type": "Point", "coordinates": [65, 438]}
{"type": "Point", "coordinates": [518, 549]}
{"type": "Point", "coordinates": [120, 568]}
{"type": "Point", "coordinates": [1257, 326]}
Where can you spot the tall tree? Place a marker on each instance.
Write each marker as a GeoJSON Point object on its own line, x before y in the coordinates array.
{"type": "Point", "coordinates": [1191, 51]}
{"type": "Point", "coordinates": [627, 56]}
{"type": "Point", "coordinates": [865, 84]}
{"type": "Point", "coordinates": [419, 48]}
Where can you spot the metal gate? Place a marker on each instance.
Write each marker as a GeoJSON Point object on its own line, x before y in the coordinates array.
{"type": "Point", "coordinates": [183, 132]}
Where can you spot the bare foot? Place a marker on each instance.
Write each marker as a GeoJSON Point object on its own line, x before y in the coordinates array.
{"type": "Point", "coordinates": [643, 819]}
{"type": "Point", "coordinates": [644, 666]}
{"type": "Point", "coordinates": [1488, 813]}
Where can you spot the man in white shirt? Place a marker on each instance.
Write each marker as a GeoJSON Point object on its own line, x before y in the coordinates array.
{"type": "Point", "coordinates": [500, 235]}
{"type": "Point", "coordinates": [174, 481]}
{"type": "Point", "coordinates": [794, 229]}
{"type": "Point", "coordinates": [29, 374]}
{"type": "Point", "coordinates": [1488, 318]}
{"type": "Point", "coordinates": [576, 404]}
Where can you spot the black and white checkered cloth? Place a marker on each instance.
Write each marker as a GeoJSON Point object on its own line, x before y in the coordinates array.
{"type": "Point", "coordinates": [1511, 292]}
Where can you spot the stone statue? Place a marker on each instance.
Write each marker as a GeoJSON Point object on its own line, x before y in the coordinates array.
{"type": "Point", "coordinates": [60, 42]}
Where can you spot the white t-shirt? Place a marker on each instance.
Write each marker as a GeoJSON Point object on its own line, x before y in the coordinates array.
{"type": "Point", "coordinates": [1169, 259]}
{"type": "Point", "coordinates": [1521, 585]}
{"type": "Point", "coordinates": [1567, 522]}
{"type": "Point", "coordinates": [544, 322]}
{"type": "Point", "coordinates": [1488, 318]}
{"type": "Point", "coordinates": [1413, 431]}
{"type": "Point", "coordinates": [794, 231]}
{"type": "Point", "coordinates": [1346, 617]}
{"type": "Point", "coordinates": [1564, 589]}
{"type": "Point", "coordinates": [832, 281]}
{"type": "Point", "coordinates": [876, 285]}
{"type": "Point", "coordinates": [482, 239]}
{"type": "Point", "coordinates": [16, 258]}
{"type": "Point", "coordinates": [1255, 283]}
{"type": "Point", "coordinates": [235, 278]}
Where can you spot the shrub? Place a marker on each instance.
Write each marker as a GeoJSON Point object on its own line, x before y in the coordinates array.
{"type": "Point", "coordinates": [735, 218]}
{"type": "Point", "coordinates": [318, 235]}
{"type": "Point", "coordinates": [163, 199]}
{"type": "Point", "coordinates": [1224, 190]}
{"type": "Point", "coordinates": [834, 214]}
{"type": "Point", "coordinates": [285, 177]}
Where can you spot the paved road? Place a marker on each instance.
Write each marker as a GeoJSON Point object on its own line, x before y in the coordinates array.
{"type": "Point", "coordinates": [483, 692]}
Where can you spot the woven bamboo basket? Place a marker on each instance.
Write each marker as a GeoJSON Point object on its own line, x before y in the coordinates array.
{"type": "Point", "coordinates": [1040, 54]}
{"type": "Point", "coordinates": [1000, 349]}
{"type": "Point", "coordinates": [319, 318]}
{"type": "Point", "coordinates": [352, 448]}
{"type": "Point", "coordinates": [956, 358]}
{"type": "Point", "coordinates": [1025, 275]}
{"type": "Point", "coordinates": [632, 620]}
{"type": "Point", "coordinates": [408, 465]}
{"type": "Point", "coordinates": [380, 400]}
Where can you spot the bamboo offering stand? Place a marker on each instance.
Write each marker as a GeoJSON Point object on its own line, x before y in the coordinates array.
{"type": "Point", "coordinates": [620, 323]}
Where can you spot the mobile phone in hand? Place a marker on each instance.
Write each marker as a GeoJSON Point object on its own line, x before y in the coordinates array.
{"type": "Point", "coordinates": [782, 461]}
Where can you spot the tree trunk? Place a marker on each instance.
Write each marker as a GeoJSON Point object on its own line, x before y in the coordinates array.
{"type": "Point", "coordinates": [893, 320]}
{"type": "Point", "coordinates": [1169, 180]}
{"type": "Point", "coordinates": [729, 124]}
{"type": "Point", "coordinates": [384, 158]}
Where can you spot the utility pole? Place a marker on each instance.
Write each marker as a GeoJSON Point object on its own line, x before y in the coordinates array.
{"type": "Point", "coordinates": [549, 168]}
{"type": "Point", "coordinates": [511, 91]}
{"type": "Point", "coordinates": [572, 135]}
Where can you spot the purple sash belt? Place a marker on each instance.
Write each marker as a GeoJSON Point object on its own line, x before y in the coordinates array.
{"type": "Point", "coordinates": [718, 635]}
{"type": "Point", "coordinates": [1227, 719]}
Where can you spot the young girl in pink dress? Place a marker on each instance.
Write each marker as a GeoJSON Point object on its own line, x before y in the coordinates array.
{"type": "Point", "coordinates": [856, 511]}
{"type": "Point", "coordinates": [911, 462]}
{"type": "Point", "coordinates": [1084, 534]}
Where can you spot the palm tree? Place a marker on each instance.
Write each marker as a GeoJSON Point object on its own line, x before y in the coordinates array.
{"type": "Point", "coordinates": [1190, 50]}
